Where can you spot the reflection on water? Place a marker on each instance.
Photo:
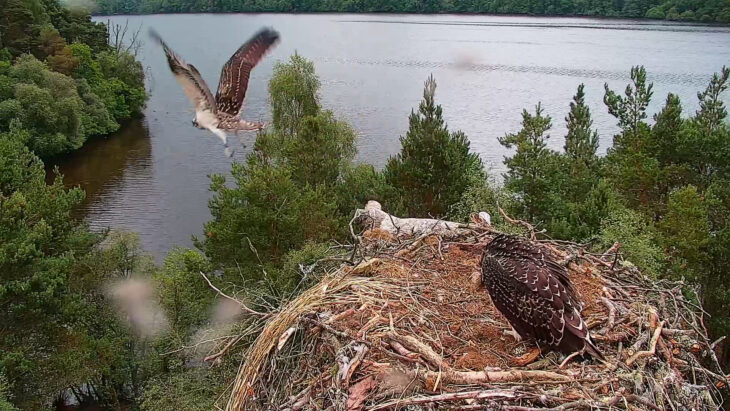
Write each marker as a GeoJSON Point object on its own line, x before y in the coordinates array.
{"type": "Point", "coordinates": [102, 164]}
{"type": "Point", "coordinates": [152, 176]}
{"type": "Point", "coordinates": [116, 173]}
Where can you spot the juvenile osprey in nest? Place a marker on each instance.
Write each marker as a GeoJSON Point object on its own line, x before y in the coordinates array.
{"type": "Point", "coordinates": [222, 113]}
{"type": "Point", "coordinates": [533, 291]}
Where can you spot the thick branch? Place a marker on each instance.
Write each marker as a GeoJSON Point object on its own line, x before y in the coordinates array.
{"type": "Point", "coordinates": [525, 224]}
{"type": "Point", "coordinates": [456, 396]}
{"type": "Point", "coordinates": [427, 352]}
{"type": "Point", "coordinates": [481, 377]}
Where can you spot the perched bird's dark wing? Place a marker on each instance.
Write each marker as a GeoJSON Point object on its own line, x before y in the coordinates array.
{"type": "Point", "coordinates": [533, 291]}
{"type": "Point", "coordinates": [234, 75]}
{"type": "Point", "coordinates": [531, 265]}
{"type": "Point", "coordinates": [188, 76]}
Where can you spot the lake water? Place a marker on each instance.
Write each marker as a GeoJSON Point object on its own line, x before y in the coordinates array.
{"type": "Point", "coordinates": [152, 176]}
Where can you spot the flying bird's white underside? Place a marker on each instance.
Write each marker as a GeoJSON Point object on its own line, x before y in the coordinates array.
{"type": "Point", "coordinates": [221, 114]}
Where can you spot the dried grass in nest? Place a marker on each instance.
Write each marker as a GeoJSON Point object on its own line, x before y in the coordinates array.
{"type": "Point", "coordinates": [413, 327]}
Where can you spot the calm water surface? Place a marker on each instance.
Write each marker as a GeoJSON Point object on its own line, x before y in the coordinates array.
{"type": "Point", "coordinates": [152, 176]}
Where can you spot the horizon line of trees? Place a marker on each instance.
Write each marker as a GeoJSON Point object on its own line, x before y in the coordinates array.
{"type": "Point", "coordinates": [708, 11]}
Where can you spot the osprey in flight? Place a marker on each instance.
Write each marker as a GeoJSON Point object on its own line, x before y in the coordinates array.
{"type": "Point", "coordinates": [222, 113]}
{"type": "Point", "coordinates": [534, 293]}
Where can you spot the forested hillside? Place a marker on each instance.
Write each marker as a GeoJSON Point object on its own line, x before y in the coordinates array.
{"type": "Point", "coordinates": [684, 10]}
{"type": "Point", "coordinates": [60, 80]}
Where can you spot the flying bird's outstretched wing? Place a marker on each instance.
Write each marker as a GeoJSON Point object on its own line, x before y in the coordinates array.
{"type": "Point", "coordinates": [235, 73]}
{"type": "Point", "coordinates": [189, 77]}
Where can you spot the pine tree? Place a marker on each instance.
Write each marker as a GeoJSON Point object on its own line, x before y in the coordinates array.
{"type": "Point", "coordinates": [630, 165]}
{"type": "Point", "coordinates": [708, 135]}
{"type": "Point", "coordinates": [294, 89]}
{"type": "Point", "coordinates": [631, 109]}
{"type": "Point", "coordinates": [531, 171]}
{"type": "Point", "coordinates": [581, 142]}
{"type": "Point", "coordinates": [712, 113]}
{"type": "Point", "coordinates": [435, 167]}
{"type": "Point", "coordinates": [665, 134]}
{"type": "Point", "coordinates": [586, 197]}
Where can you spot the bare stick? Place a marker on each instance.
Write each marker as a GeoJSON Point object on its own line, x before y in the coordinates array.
{"type": "Point", "coordinates": [455, 396]}
{"type": "Point", "coordinates": [427, 352]}
{"type": "Point", "coordinates": [652, 346]}
{"type": "Point", "coordinates": [243, 306]}
{"type": "Point", "coordinates": [525, 224]}
{"type": "Point", "coordinates": [611, 313]}
{"type": "Point", "coordinates": [481, 377]}
{"type": "Point", "coordinates": [718, 341]}
{"type": "Point", "coordinates": [568, 358]}
{"type": "Point", "coordinates": [223, 351]}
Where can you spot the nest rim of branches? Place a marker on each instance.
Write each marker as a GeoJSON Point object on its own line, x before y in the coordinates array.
{"type": "Point", "coordinates": [360, 339]}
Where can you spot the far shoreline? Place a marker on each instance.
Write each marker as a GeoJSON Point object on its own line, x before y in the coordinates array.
{"type": "Point", "coordinates": [375, 13]}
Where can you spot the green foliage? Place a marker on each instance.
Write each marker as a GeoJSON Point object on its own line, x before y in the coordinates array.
{"type": "Point", "coordinates": [266, 215]}
{"type": "Point", "coordinates": [686, 228]}
{"type": "Point", "coordinates": [532, 170]}
{"type": "Point", "coordinates": [362, 183]}
{"type": "Point", "coordinates": [704, 10]}
{"type": "Point", "coordinates": [638, 239]}
{"type": "Point", "coordinates": [58, 331]}
{"type": "Point", "coordinates": [293, 89]}
{"type": "Point", "coordinates": [63, 94]}
{"type": "Point", "coordinates": [322, 149]}
{"type": "Point", "coordinates": [631, 167]}
{"type": "Point", "coordinates": [586, 196]}
{"type": "Point", "coordinates": [706, 139]}
{"type": "Point", "coordinates": [195, 389]}
{"type": "Point", "coordinates": [182, 291]}
{"type": "Point", "coordinates": [630, 110]}
{"type": "Point", "coordinates": [581, 142]}
{"type": "Point", "coordinates": [434, 167]}
{"type": "Point", "coordinates": [483, 195]}
{"type": "Point", "coordinates": [49, 106]}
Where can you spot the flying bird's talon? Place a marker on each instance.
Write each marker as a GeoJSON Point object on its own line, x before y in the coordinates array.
{"type": "Point", "coordinates": [229, 151]}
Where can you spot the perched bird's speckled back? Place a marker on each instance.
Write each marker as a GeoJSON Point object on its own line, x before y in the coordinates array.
{"type": "Point", "coordinates": [535, 295]}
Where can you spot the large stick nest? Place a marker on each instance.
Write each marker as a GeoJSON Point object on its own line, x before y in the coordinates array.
{"type": "Point", "coordinates": [411, 327]}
